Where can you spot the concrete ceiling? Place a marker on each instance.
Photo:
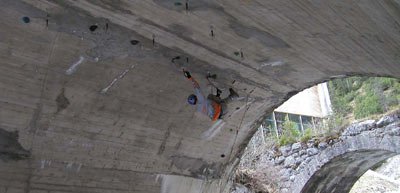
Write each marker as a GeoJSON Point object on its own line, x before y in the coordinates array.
{"type": "Point", "coordinates": [115, 113]}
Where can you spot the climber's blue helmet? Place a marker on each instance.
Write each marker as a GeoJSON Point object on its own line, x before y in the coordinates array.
{"type": "Point", "coordinates": [192, 99]}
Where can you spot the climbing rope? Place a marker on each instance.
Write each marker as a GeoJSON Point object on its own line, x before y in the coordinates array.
{"type": "Point", "coordinates": [239, 126]}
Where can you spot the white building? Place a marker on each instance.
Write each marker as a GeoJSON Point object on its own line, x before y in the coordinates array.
{"type": "Point", "coordinates": [307, 109]}
{"type": "Point", "coordinates": [314, 101]}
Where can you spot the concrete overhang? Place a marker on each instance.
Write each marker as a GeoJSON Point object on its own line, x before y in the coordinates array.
{"type": "Point", "coordinates": [90, 89]}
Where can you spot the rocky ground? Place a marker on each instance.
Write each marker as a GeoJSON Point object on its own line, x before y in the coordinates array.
{"type": "Point", "coordinates": [385, 179]}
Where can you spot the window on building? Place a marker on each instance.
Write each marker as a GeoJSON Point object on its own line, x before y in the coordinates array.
{"type": "Point", "coordinates": [280, 119]}
{"type": "Point", "coordinates": [273, 124]}
{"type": "Point", "coordinates": [269, 125]}
{"type": "Point", "coordinates": [307, 122]}
{"type": "Point", "coordinates": [296, 119]}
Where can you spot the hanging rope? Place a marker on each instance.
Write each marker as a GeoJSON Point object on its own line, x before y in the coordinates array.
{"type": "Point", "coordinates": [239, 126]}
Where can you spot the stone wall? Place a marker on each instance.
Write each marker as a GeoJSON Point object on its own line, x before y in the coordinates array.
{"type": "Point", "coordinates": [299, 161]}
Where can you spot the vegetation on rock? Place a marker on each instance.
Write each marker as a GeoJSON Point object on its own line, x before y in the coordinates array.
{"type": "Point", "coordinates": [360, 97]}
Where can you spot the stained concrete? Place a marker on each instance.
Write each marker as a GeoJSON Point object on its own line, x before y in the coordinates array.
{"type": "Point", "coordinates": [193, 6]}
{"type": "Point", "coordinates": [10, 148]}
{"type": "Point", "coordinates": [62, 101]}
{"type": "Point", "coordinates": [180, 30]}
{"type": "Point", "coordinates": [118, 137]}
{"type": "Point", "coordinates": [264, 37]}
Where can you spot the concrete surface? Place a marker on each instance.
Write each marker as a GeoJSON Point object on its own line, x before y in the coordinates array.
{"type": "Point", "coordinates": [95, 113]}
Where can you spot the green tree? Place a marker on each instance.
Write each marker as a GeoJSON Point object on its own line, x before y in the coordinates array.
{"type": "Point", "coordinates": [308, 134]}
{"type": "Point", "coordinates": [290, 133]}
{"type": "Point", "coordinates": [367, 105]}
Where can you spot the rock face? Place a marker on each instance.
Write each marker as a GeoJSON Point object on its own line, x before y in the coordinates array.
{"type": "Point", "coordinates": [298, 162]}
{"type": "Point", "coordinates": [387, 120]}
{"type": "Point", "coordinates": [359, 127]}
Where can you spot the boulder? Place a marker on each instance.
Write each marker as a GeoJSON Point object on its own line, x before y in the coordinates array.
{"type": "Point", "coordinates": [386, 120]}
{"type": "Point", "coordinates": [312, 151]}
{"type": "Point", "coordinates": [298, 161]}
{"type": "Point", "coordinates": [357, 128]}
{"type": "Point", "coordinates": [290, 162]}
{"type": "Point", "coordinates": [296, 147]}
{"type": "Point", "coordinates": [322, 145]}
{"type": "Point", "coordinates": [279, 160]}
{"type": "Point", "coordinates": [285, 150]}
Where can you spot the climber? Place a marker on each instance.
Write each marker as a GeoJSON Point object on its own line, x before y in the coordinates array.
{"type": "Point", "coordinates": [212, 106]}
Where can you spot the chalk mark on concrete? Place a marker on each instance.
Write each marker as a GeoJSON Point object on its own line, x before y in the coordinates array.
{"type": "Point", "coordinates": [69, 165]}
{"type": "Point", "coordinates": [44, 163]}
{"type": "Point", "coordinates": [74, 66]}
{"type": "Point", "coordinates": [79, 168]}
{"type": "Point", "coordinates": [115, 80]}
{"type": "Point", "coordinates": [213, 130]}
{"type": "Point", "coordinates": [272, 64]}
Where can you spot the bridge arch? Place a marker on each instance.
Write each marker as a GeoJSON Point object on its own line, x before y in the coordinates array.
{"type": "Point", "coordinates": [340, 173]}
{"type": "Point", "coordinates": [340, 163]}
{"type": "Point", "coordinates": [82, 105]}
